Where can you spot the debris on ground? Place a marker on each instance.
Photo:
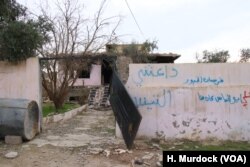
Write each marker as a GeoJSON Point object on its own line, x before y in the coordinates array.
{"type": "Point", "coordinates": [138, 161]}
{"type": "Point", "coordinates": [11, 155]}
{"type": "Point", "coordinates": [156, 146]}
{"type": "Point", "coordinates": [148, 156]}
{"type": "Point", "coordinates": [120, 151]}
{"type": "Point", "coordinates": [159, 164]}
{"type": "Point", "coordinates": [85, 140]}
{"type": "Point", "coordinates": [107, 153]}
{"type": "Point", "coordinates": [95, 150]}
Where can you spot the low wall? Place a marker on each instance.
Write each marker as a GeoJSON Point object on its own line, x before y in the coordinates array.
{"type": "Point", "coordinates": [64, 116]}
{"type": "Point", "coordinates": [21, 80]}
{"type": "Point", "coordinates": [192, 101]}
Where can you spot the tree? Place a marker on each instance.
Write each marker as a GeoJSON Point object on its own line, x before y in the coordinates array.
{"type": "Point", "coordinates": [10, 10]}
{"type": "Point", "coordinates": [213, 57]}
{"type": "Point", "coordinates": [72, 35]}
{"type": "Point", "coordinates": [140, 52]}
{"type": "Point", "coordinates": [244, 55]}
{"type": "Point", "coordinates": [19, 36]}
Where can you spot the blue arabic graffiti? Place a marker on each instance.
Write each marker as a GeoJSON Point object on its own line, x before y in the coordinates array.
{"type": "Point", "coordinates": [226, 98]}
{"type": "Point", "coordinates": [160, 100]}
{"type": "Point", "coordinates": [206, 80]}
{"type": "Point", "coordinates": [162, 72]}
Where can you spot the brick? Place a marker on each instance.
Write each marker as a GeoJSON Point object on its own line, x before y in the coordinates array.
{"type": "Point", "coordinates": [13, 140]}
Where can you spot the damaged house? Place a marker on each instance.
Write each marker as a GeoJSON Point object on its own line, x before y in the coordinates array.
{"type": "Point", "coordinates": [93, 83]}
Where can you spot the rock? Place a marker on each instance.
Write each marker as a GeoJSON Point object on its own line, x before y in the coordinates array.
{"type": "Point", "coordinates": [160, 157]}
{"type": "Point", "coordinates": [138, 161]}
{"type": "Point", "coordinates": [159, 164]}
{"type": "Point", "coordinates": [120, 151]}
{"type": "Point", "coordinates": [156, 146]}
{"type": "Point", "coordinates": [107, 152]}
{"type": "Point", "coordinates": [171, 148]}
{"type": "Point", "coordinates": [11, 155]}
{"type": "Point", "coordinates": [95, 150]}
{"type": "Point", "coordinates": [130, 151]}
{"type": "Point", "coordinates": [148, 156]}
{"type": "Point", "coordinates": [147, 164]}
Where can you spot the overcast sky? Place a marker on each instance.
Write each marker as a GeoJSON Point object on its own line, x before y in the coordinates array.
{"type": "Point", "coordinates": [184, 27]}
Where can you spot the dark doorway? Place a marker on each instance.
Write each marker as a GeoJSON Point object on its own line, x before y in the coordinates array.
{"type": "Point", "coordinates": [106, 72]}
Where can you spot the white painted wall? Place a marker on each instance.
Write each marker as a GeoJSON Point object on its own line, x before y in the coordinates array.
{"type": "Point", "coordinates": [95, 78]}
{"type": "Point", "coordinates": [21, 80]}
{"type": "Point", "coordinates": [192, 101]}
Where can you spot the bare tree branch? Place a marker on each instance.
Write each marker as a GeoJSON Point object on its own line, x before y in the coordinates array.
{"type": "Point", "coordinates": [72, 34]}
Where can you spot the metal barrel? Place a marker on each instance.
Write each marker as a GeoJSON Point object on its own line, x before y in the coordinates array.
{"type": "Point", "coordinates": [19, 117]}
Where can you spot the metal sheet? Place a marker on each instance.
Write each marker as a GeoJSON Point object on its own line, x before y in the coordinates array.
{"type": "Point", "coordinates": [125, 111]}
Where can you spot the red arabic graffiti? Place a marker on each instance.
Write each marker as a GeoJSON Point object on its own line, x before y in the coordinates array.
{"type": "Point", "coordinates": [244, 98]}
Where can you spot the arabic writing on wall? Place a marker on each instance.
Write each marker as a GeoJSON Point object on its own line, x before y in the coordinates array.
{"type": "Point", "coordinates": [226, 98]}
{"type": "Point", "coordinates": [161, 99]}
{"type": "Point", "coordinates": [204, 80]}
{"type": "Point", "coordinates": [161, 72]}
{"type": "Point", "coordinates": [167, 72]}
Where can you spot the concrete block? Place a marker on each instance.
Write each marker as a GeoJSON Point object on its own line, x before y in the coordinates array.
{"type": "Point", "coordinates": [13, 140]}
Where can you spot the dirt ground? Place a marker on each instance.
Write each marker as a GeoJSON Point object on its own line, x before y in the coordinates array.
{"type": "Point", "coordinates": [86, 140]}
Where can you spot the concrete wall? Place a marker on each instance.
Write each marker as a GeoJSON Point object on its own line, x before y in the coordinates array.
{"type": "Point", "coordinates": [192, 101]}
{"type": "Point", "coordinates": [123, 67]}
{"type": "Point", "coordinates": [95, 78]}
{"type": "Point", "coordinates": [21, 81]}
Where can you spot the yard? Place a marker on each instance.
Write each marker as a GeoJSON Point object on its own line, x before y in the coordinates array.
{"type": "Point", "coordinates": [88, 139]}
{"type": "Point", "coordinates": [49, 108]}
